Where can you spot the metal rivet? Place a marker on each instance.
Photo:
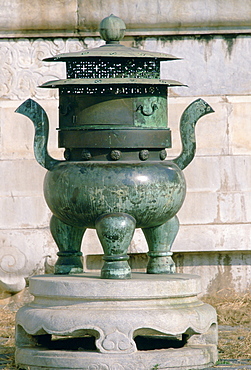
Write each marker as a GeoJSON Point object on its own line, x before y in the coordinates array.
{"type": "Point", "coordinates": [144, 154]}
{"type": "Point", "coordinates": [86, 155]}
{"type": "Point", "coordinates": [67, 154]}
{"type": "Point", "coordinates": [115, 155]}
{"type": "Point", "coordinates": [162, 154]}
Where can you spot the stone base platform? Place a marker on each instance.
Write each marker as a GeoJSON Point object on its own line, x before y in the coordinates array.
{"type": "Point", "coordinates": [147, 322]}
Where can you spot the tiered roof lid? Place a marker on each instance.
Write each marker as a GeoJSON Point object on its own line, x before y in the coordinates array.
{"type": "Point", "coordinates": [137, 66]}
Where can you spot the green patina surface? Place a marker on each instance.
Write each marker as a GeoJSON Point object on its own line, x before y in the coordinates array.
{"type": "Point", "coordinates": [115, 197]}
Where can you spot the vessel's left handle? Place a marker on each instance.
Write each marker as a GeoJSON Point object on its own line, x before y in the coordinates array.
{"type": "Point", "coordinates": [38, 116]}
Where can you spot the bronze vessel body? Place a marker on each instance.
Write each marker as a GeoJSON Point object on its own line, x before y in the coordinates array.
{"type": "Point", "coordinates": [115, 176]}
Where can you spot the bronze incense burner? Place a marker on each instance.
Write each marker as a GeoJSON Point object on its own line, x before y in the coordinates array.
{"type": "Point", "coordinates": [115, 176]}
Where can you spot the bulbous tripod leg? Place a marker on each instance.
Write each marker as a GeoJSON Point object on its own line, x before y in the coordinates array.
{"type": "Point", "coordinates": [115, 232]}
{"type": "Point", "coordinates": [68, 239]}
{"type": "Point", "coordinates": [160, 240]}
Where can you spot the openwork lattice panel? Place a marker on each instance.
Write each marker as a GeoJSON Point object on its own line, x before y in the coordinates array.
{"type": "Point", "coordinates": [114, 90]}
{"type": "Point", "coordinates": [107, 68]}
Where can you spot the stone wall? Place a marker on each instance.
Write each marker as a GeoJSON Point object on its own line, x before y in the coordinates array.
{"type": "Point", "coordinates": [213, 38]}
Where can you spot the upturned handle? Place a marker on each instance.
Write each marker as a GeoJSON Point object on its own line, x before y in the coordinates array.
{"type": "Point", "coordinates": [38, 116]}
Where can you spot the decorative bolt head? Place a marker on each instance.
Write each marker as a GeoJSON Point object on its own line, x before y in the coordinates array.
{"type": "Point", "coordinates": [86, 155]}
{"type": "Point", "coordinates": [112, 29]}
{"type": "Point", "coordinates": [144, 154]}
{"type": "Point", "coordinates": [162, 154]}
{"type": "Point", "coordinates": [115, 155]}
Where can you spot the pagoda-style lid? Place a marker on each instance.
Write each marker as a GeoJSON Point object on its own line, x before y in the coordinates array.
{"type": "Point", "coordinates": [115, 81]}
{"type": "Point", "coordinates": [111, 51]}
{"type": "Point", "coordinates": [112, 30]}
{"type": "Point", "coordinates": [112, 68]}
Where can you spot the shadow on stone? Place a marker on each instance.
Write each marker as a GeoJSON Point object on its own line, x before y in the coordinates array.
{"type": "Point", "coordinates": [86, 343]}
{"type": "Point", "coordinates": [147, 343]}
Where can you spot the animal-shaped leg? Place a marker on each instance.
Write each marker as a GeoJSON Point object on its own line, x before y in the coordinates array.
{"type": "Point", "coordinates": [68, 239]}
{"type": "Point", "coordinates": [115, 232]}
{"type": "Point", "coordinates": [160, 240]}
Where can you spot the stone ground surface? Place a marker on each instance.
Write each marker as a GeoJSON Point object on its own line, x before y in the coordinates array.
{"type": "Point", "coordinates": [232, 364]}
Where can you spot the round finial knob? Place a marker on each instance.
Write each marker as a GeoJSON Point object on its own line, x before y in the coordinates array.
{"type": "Point", "coordinates": [112, 29]}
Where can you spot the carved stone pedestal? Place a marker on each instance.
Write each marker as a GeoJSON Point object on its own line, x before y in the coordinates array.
{"type": "Point", "coordinates": [147, 322]}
